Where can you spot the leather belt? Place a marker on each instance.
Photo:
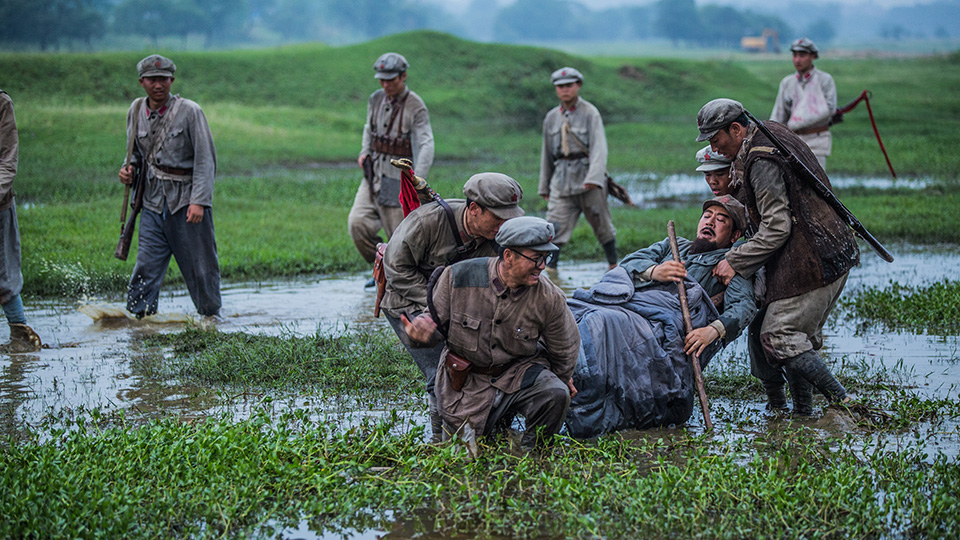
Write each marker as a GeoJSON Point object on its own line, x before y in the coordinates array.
{"type": "Point", "coordinates": [174, 170]}
{"type": "Point", "coordinates": [573, 156]}
{"type": "Point", "coordinates": [493, 371]}
{"type": "Point", "coordinates": [812, 130]}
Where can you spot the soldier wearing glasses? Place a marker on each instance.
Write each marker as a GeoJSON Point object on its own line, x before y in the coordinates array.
{"type": "Point", "coordinates": [512, 327]}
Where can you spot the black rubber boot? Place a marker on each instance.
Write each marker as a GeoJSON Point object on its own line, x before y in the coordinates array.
{"type": "Point", "coordinates": [802, 392]}
{"type": "Point", "coordinates": [610, 250]}
{"type": "Point", "coordinates": [810, 366]}
{"type": "Point", "coordinates": [776, 397]}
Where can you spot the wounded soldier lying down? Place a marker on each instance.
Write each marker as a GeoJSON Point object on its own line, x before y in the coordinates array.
{"type": "Point", "coordinates": [632, 371]}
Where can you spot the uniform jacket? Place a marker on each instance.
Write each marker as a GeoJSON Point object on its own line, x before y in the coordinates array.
{"type": "Point", "coordinates": [414, 124]}
{"type": "Point", "coordinates": [565, 177]}
{"type": "Point", "coordinates": [800, 239]}
{"type": "Point", "coordinates": [423, 242]}
{"type": "Point", "coordinates": [791, 90]}
{"type": "Point", "coordinates": [493, 325]}
{"type": "Point", "coordinates": [188, 145]}
{"type": "Point", "coordinates": [9, 150]}
{"type": "Point", "coordinates": [739, 306]}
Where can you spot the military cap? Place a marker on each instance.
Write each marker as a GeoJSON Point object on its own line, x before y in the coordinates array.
{"type": "Point", "coordinates": [711, 161]}
{"type": "Point", "coordinates": [496, 192]}
{"type": "Point", "coordinates": [565, 75]}
{"type": "Point", "coordinates": [732, 206]}
{"type": "Point", "coordinates": [717, 115]}
{"type": "Point", "coordinates": [804, 45]}
{"type": "Point", "coordinates": [156, 66]}
{"type": "Point", "coordinates": [389, 65]}
{"type": "Point", "coordinates": [527, 232]}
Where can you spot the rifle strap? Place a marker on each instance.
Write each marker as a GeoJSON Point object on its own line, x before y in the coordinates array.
{"type": "Point", "coordinates": [569, 133]}
{"type": "Point", "coordinates": [461, 250]}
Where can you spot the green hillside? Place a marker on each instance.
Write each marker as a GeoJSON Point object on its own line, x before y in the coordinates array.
{"type": "Point", "coordinates": [287, 124]}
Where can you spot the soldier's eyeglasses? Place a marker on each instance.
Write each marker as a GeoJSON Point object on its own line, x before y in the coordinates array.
{"type": "Point", "coordinates": [541, 260]}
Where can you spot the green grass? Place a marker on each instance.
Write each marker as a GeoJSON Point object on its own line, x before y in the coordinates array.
{"type": "Point", "coordinates": [218, 478]}
{"type": "Point", "coordinates": [287, 125]}
{"type": "Point", "coordinates": [934, 308]}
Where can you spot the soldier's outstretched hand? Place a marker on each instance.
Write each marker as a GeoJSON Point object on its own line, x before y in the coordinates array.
{"type": "Point", "coordinates": [420, 329]}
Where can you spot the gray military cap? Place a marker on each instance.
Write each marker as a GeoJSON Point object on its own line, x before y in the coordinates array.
{"type": "Point", "coordinates": [156, 66]}
{"type": "Point", "coordinates": [496, 192]}
{"type": "Point", "coordinates": [733, 207]}
{"type": "Point", "coordinates": [389, 65]}
{"type": "Point", "coordinates": [527, 232]}
{"type": "Point", "coordinates": [711, 161]}
{"type": "Point", "coordinates": [716, 115]}
{"type": "Point", "coordinates": [565, 75]}
{"type": "Point", "coordinates": [804, 45]}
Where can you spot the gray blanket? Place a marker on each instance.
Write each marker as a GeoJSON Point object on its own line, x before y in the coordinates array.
{"type": "Point", "coordinates": [632, 371]}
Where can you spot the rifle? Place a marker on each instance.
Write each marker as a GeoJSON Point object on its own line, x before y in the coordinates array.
{"type": "Point", "coordinates": [688, 326]}
{"type": "Point", "coordinates": [126, 231]}
{"type": "Point", "coordinates": [808, 176]}
{"type": "Point", "coordinates": [127, 227]}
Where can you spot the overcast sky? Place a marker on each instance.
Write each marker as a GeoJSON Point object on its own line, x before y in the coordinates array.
{"type": "Point", "coordinates": [460, 4]}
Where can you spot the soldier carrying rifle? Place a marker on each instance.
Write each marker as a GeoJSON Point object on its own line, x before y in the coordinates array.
{"type": "Point", "coordinates": [173, 162]}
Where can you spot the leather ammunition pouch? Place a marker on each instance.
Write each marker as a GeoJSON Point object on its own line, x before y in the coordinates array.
{"type": "Point", "coordinates": [458, 368]}
{"type": "Point", "coordinates": [392, 146]}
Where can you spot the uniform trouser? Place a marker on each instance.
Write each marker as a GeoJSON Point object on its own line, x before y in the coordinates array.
{"type": "Point", "coordinates": [11, 279]}
{"type": "Point", "coordinates": [428, 361]}
{"type": "Point", "coordinates": [195, 248]}
{"type": "Point", "coordinates": [543, 405]}
{"type": "Point", "coordinates": [821, 144]}
{"type": "Point", "coordinates": [793, 326]}
{"type": "Point", "coordinates": [367, 218]}
{"type": "Point", "coordinates": [564, 212]}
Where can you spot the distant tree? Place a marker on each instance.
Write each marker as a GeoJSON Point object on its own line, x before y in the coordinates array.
{"type": "Point", "coordinates": [526, 20]}
{"type": "Point", "coordinates": [156, 18]}
{"type": "Point", "coordinates": [50, 23]}
{"type": "Point", "coordinates": [895, 32]}
{"type": "Point", "coordinates": [722, 26]}
{"type": "Point", "coordinates": [677, 20]}
{"type": "Point", "coordinates": [293, 19]}
{"type": "Point", "coordinates": [821, 31]}
{"type": "Point", "coordinates": [226, 20]}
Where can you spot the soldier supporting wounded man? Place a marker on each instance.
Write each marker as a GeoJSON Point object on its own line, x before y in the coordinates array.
{"type": "Point", "coordinates": [801, 241]}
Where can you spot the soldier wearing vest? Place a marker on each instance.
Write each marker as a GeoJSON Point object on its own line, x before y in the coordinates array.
{"type": "Point", "coordinates": [511, 343]}
{"type": "Point", "coordinates": [22, 337]}
{"type": "Point", "coordinates": [435, 235]}
{"type": "Point", "coordinates": [807, 100]}
{"type": "Point", "coordinates": [174, 144]}
{"type": "Point", "coordinates": [398, 126]}
{"type": "Point", "coordinates": [573, 166]}
{"type": "Point", "coordinates": [806, 248]}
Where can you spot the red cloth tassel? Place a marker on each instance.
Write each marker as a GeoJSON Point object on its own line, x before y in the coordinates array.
{"type": "Point", "coordinates": [409, 200]}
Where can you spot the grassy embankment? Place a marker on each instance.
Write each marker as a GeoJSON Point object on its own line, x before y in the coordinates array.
{"type": "Point", "coordinates": [287, 121]}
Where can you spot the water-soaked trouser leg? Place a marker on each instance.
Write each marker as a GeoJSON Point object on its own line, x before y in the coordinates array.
{"type": "Point", "coordinates": [363, 223]}
{"type": "Point", "coordinates": [428, 360]}
{"type": "Point", "coordinates": [593, 204]}
{"type": "Point", "coordinates": [771, 376]}
{"type": "Point", "coordinates": [13, 310]}
{"type": "Point", "coordinates": [11, 278]}
{"type": "Point", "coordinates": [194, 247]}
{"type": "Point", "coordinates": [543, 401]}
{"type": "Point", "coordinates": [793, 326]}
{"type": "Point", "coordinates": [153, 257]}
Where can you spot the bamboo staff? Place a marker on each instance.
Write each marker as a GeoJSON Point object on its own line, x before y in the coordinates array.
{"type": "Point", "coordinates": [688, 326]}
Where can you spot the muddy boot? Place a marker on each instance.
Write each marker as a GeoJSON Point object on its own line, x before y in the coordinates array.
{"type": "Point", "coordinates": [802, 393]}
{"type": "Point", "coordinates": [810, 366]}
{"type": "Point", "coordinates": [776, 396]}
{"type": "Point", "coordinates": [22, 340]}
{"type": "Point", "coordinates": [610, 250]}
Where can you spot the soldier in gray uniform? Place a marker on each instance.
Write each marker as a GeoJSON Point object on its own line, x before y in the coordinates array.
{"type": "Point", "coordinates": [433, 236]}
{"type": "Point", "coordinates": [174, 144]}
{"type": "Point", "coordinates": [511, 343]}
{"type": "Point", "coordinates": [807, 100]}
{"type": "Point", "coordinates": [573, 166]}
{"type": "Point", "coordinates": [805, 247]}
{"type": "Point", "coordinates": [22, 337]}
{"type": "Point", "coordinates": [398, 126]}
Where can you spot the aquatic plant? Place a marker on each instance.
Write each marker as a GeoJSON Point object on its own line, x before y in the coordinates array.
{"type": "Point", "coordinates": [934, 309]}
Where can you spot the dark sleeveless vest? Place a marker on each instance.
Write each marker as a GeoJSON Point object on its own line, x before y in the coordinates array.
{"type": "Point", "coordinates": [821, 247]}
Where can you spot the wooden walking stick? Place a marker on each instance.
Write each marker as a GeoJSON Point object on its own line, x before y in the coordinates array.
{"type": "Point", "coordinates": [688, 327]}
